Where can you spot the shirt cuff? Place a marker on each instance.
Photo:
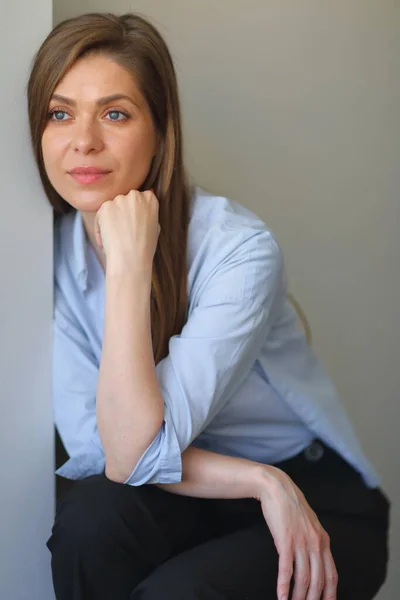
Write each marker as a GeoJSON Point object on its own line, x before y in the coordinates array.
{"type": "Point", "coordinates": [82, 465]}
{"type": "Point", "coordinates": [162, 460]}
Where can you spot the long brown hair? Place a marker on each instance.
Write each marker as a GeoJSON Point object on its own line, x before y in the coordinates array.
{"type": "Point", "coordinates": [137, 46]}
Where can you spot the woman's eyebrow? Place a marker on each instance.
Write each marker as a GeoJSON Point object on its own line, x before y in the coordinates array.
{"type": "Point", "coordinates": [100, 101]}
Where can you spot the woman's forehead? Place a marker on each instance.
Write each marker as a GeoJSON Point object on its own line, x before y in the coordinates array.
{"type": "Point", "coordinates": [96, 77]}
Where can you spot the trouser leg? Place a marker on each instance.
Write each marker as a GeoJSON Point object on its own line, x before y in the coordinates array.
{"type": "Point", "coordinates": [237, 566]}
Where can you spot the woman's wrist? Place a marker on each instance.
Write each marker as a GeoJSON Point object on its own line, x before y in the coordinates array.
{"type": "Point", "coordinates": [266, 481]}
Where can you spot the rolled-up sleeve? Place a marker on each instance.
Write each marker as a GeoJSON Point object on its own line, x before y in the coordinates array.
{"type": "Point", "coordinates": [234, 308]}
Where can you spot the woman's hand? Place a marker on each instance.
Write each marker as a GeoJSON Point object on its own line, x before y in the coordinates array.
{"type": "Point", "coordinates": [299, 538]}
{"type": "Point", "coordinates": [127, 229]}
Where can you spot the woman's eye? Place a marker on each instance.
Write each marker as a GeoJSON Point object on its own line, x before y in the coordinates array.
{"type": "Point", "coordinates": [114, 115]}
{"type": "Point", "coordinates": [55, 115]}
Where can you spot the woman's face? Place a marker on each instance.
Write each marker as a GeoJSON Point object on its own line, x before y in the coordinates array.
{"type": "Point", "coordinates": [89, 129]}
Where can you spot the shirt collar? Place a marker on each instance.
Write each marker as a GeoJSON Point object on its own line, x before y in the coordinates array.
{"type": "Point", "coordinates": [80, 265]}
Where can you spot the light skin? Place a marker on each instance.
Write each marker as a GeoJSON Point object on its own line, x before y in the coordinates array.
{"type": "Point", "coordinates": [122, 226]}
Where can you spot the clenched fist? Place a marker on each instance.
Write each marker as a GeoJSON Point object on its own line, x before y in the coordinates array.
{"type": "Point", "coordinates": [127, 229]}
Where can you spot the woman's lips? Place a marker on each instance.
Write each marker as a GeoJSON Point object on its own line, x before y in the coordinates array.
{"type": "Point", "coordinates": [88, 177]}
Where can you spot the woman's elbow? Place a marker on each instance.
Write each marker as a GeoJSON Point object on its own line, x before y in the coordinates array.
{"type": "Point", "coordinates": [113, 474]}
{"type": "Point", "coordinates": [122, 461]}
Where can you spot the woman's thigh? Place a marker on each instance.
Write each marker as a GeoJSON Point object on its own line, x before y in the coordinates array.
{"type": "Point", "coordinates": [176, 522]}
{"type": "Point", "coordinates": [107, 537]}
{"type": "Point", "coordinates": [241, 565]}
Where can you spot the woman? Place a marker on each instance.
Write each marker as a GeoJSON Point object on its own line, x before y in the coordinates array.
{"type": "Point", "coordinates": [210, 456]}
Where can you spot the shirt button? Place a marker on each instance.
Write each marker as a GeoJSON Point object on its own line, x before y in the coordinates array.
{"type": "Point", "coordinates": [314, 452]}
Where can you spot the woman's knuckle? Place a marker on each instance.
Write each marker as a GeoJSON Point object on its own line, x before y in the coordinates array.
{"type": "Point", "coordinates": [317, 541]}
{"type": "Point", "coordinates": [305, 580]}
{"type": "Point", "coordinates": [320, 583]}
{"type": "Point", "coordinates": [335, 577]}
{"type": "Point", "coordinates": [287, 568]}
{"type": "Point", "coordinates": [331, 579]}
{"type": "Point", "coordinates": [284, 546]}
{"type": "Point", "coordinates": [301, 542]}
{"type": "Point", "coordinates": [286, 572]}
{"type": "Point", "coordinates": [283, 585]}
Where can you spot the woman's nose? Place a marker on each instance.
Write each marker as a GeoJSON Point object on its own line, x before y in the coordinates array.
{"type": "Point", "coordinates": [86, 137]}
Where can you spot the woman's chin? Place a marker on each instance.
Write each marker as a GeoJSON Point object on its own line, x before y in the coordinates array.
{"type": "Point", "coordinates": [88, 202]}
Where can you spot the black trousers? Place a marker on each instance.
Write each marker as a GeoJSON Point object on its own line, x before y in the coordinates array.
{"type": "Point", "coordinates": [116, 542]}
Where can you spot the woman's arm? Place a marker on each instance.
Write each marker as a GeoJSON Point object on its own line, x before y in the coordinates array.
{"type": "Point", "coordinates": [130, 408]}
{"type": "Point", "coordinates": [209, 475]}
{"type": "Point", "coordinates": [129, 403]}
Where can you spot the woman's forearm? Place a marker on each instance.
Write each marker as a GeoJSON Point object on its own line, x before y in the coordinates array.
{"type": "Point", "coordinates": [130, 408]}
{"type": "Point", "coordinates": [209, 475]}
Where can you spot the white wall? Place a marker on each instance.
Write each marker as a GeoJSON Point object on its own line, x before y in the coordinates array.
{"type": "Point", "coordinates": [292, 108]}
{"type": "Point", "coordinates": [26, 431]}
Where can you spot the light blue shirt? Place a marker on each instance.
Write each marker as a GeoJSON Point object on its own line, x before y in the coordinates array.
{"type": "Point", "coordinates": [240, 379]}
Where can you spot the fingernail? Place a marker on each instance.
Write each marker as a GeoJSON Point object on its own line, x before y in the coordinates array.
{"type": "Point", "coordinates": [284, 598]}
